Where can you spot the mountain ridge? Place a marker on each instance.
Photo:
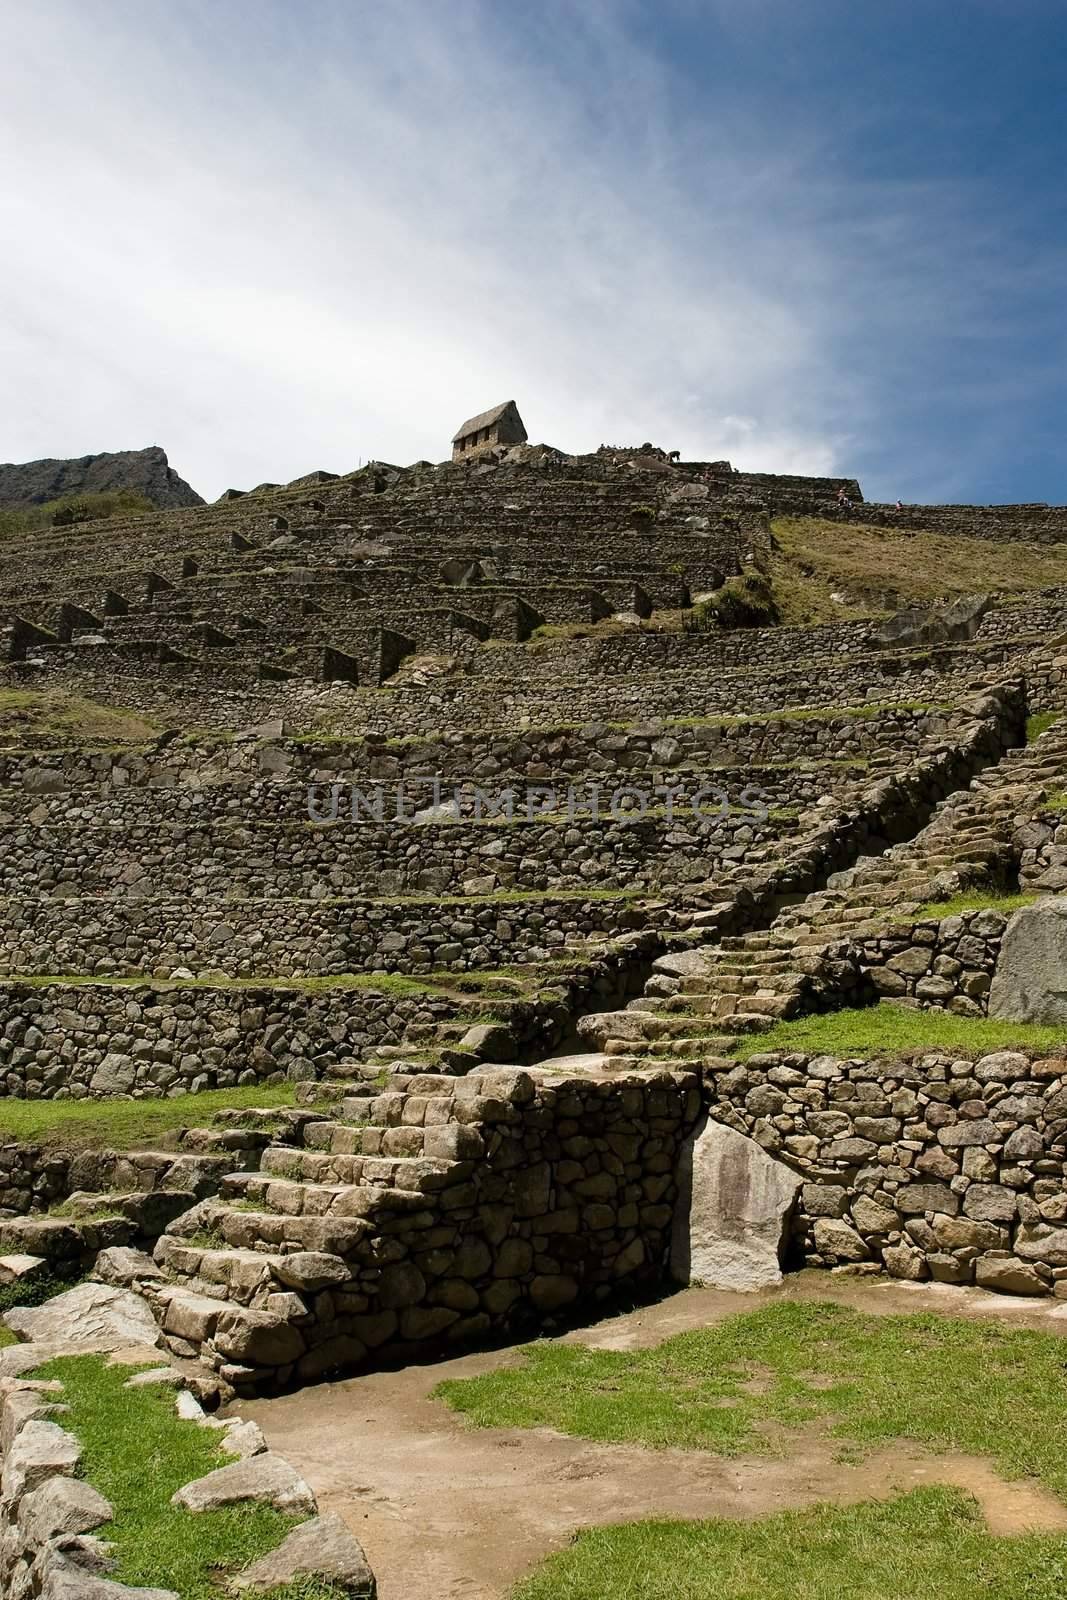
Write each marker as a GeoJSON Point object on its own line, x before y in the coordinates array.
{"type": "Point", "coordinates": [147, 471]}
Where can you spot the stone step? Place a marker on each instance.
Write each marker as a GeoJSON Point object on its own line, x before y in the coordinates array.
{"type": "Point", "coordinates": [750, 1022]}
{"type": "Point", "coordinates": [694, 1047]}
{"type": "Point", "coordinates": [245, 1276]}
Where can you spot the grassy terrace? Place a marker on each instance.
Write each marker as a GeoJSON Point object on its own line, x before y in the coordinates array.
{"type": "Point", "coordinates": [74, 721]}
{"type": "Point", "coordinates": [931, 1542]}
{"type": "Point", "coordinates": [818, 558]}
{"type": "Point", "coordinates": [136, 1451]}
{"type": "Point", "coordinates": [889, 1029]}
{"type": "Point", "coordinates": [70, 718]}
{"type": "Point", "coordinates": [127, 1124]}
{"type": "Point", "coordinates": [1005, 904]}
{"type": "Point", "coordinates": [746, 1387]}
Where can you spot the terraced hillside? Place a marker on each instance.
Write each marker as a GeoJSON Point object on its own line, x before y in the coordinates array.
{"type": "Point", "coordinates": [445, 795]}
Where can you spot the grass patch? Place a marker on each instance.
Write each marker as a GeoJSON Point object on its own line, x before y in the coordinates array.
{"type": "Point", "coordinates": [69, 719]}
{"type": "Point", "coordinates": [1040, 722]}
{"type": "Point", "coordinates": [1005, 904]}
{"type": "Point", "coordinates": [1055, 801]}
{"type": "Point", "coordinates": [126, 1124]}
{"type": "Point", "coordinates": [744, 601]}
{"type": "Point", "coordinates": [888, 1029]}
{"type": "Point", "coordinates": [137, 1452]}
{"type": "Point", "coordinates": [948, 1385]}
{"type": "Point", "coordinates": [881, 568]}
{"type": "Point", "coordinates": [932, 1541]}
{"type": "Point", "coordinates": [31, 1292]}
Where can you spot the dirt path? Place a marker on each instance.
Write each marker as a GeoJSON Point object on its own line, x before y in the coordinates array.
{"type": "Point", "coordinates": [448, 1512]}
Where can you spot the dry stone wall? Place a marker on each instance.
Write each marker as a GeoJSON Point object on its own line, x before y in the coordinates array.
{"type": "Point", "coordinates": [285, 939]}
{"type": "Point", "coordinates": [235, 772]}
{"type": "Point", "coordinates": [931, 1165]}
{"type": "Point", "coordinates": [300, 862]}
{"type": "Point", "coordinates": [537, 1195]}
{"type": "Point", "coordinates": [63, 1042]}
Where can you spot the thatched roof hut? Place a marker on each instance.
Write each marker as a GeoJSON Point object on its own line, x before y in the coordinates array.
{"type": "Point", "coordinates": [500, 425]}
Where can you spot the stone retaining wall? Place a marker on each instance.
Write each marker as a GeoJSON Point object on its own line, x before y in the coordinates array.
{"type": "Point", "coordinates": [537, 754]}
{"type": "Point", "coordinates": [933, 1164]}
{"type": "Point", "coordinates": [546, 1193]}
{"type": "Point", "coordinates": [945, 962]}
{"type": "Point", "coordinates": [1042, 844]}
{"type": "Point", "coordinates": [286, 938]}
{"type": "Point", "coordinates": [59, 1041]}
{"type": "Point", "coordinates": [303, 861]}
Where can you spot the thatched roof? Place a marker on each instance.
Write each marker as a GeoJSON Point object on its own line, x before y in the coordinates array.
{"type": "Point", "coordinates": [485, 419]}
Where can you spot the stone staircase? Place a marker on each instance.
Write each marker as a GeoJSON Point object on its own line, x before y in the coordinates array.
{"type": "Point", "coordinates": [700, 1001]}
{"type": "Point", "coordinates": [423, 1213]}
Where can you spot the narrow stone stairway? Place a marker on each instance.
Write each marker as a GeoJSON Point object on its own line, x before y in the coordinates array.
{"type": "Point", "coordinates": [701, 1001]}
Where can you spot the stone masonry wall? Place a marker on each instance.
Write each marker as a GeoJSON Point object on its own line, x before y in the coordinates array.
{"type": "Point", "coordinates": [934, 1165]}
{"type": "Point", "coordinates": [944, 962]}
{"type": "Point", "coordinates": [152, 857]}
{"type": "Point", "coordinates": [282, 939]}
{"type": "Point", "coordinates": [64, 1042]}
{"type": "Point", "coordinates": [200, 770]}
{"type": "Point", "coordinates": [539, 1194]}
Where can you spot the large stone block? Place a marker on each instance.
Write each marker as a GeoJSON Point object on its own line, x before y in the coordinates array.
{"type": "Point", "coordinates": [732, 1218]}
{"type": "Point", "coordinates": [1030, 981]}
{"type": "Point", "coordinates": [267, 1478]}
{"type": "Point", "coordinates": [322, 1548]}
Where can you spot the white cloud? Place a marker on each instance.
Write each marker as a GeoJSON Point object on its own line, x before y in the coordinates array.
{"type": "Point", "coordinates": [272, 238]}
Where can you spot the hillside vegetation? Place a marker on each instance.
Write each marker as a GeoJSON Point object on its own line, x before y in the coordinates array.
{"type": "Point", "coordinates": [30, 714]}
{"type": "Point", "coordinates": [73, 508]}
{"type": "Point", "coordinates": [878, 570]}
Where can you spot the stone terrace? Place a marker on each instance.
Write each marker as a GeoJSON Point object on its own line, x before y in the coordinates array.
{"type": "Point", "coordinates": [505, 1026]}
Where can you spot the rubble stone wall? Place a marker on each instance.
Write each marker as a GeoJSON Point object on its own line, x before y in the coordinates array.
{"type": "Point", "coordinates": [541, 1194]}
{"type": "Point", "coordinates": [211, 772]}
{"type": "Point", "coordinates": [153, 857]}
{"type": "Point", "coordinates": [935, 1165]}
{"type": "Point", "coordinates": [281, 939]}
{"type": "Point", "coordinates": [944, 962]}
{"type": "Point", "coordinates": [59, 1041]}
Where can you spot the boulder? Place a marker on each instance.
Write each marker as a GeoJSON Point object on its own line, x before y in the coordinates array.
{"type": "Point", "coordinates": [1029, 983]}
{"type": "Point", "coordinates": [916, 626]}
{"type": "Point", "coordinates": [121, 1265]}
{"type": "Point", "coordinates": [731, 1224]}
{"type": "Point", "coordinates": [839, 1241]}
{"type": "Point", "coordinates": [323, 1548]}
{"type": "Point", "coordinates": [1000, 1270]}
{"type": "Point", "coordinates": [684, 964]}
{"type": "Point", "coordinates": [243, 1438]}
{"type": "Point", "coordinates": [267, 1478]}
{"type": "Point", "coordinates": [21, 1268]}
{"type": "Point", "coordinates": [41, 1450]}
{"type": "Point", "coordinates": [74, 1568]}
{"type": "Point", "coordinates": [62, 1505]}
{"type": "Point", "coordinates": [93, 1316]}
{"type": "Point", "coordinates": [308, 1270]}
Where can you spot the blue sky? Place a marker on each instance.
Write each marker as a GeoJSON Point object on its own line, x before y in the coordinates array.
{"type": "Point", "coordinates": [824, 235]}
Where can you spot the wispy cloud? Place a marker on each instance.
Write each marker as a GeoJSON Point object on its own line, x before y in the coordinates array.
{"type": "Point", "coordinates": [274, 237]}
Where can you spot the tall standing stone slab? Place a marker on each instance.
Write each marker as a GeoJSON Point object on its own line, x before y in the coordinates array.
{"type": "Point", "coordinates": [1030, 981]}
{"type": "Point", "coordinates": [732, 1222]}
